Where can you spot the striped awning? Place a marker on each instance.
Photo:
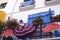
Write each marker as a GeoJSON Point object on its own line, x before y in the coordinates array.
{"type": "Point", "coordinates": [21, 31]}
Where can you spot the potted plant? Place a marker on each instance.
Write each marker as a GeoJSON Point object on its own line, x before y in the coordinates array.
{"type": "Point", "coordinates": [37, 21]}
{"type": "Point", "coordinates": [12, 23]}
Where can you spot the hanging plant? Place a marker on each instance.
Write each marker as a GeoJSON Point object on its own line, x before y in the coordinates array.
{"type": "Point", "coordinates": [56, 18]}
{"type": "Point", "coordinates": [2, 25]}
{"type": "Point", "coordinates": [12, 24]}
{"type": "Point", "coordinates": [53, 19]}
{"type": "Point", "coordinates": [37, 20]}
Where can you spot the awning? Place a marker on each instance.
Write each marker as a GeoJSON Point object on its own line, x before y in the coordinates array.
{"type": "Point", "coordinates": [7, 32]}
{"type": "Point", "coordinates": [51, 27]}
{"type": "Point", "coordinates": [25, 31]}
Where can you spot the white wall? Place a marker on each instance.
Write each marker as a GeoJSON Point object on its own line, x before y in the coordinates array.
{"type": "Point", "coordinates": [24, 15]}
{"type": "Point", "coordinates": [13, 5]}
{"type": "Point", "coordinates": [10, 6]}
{"type": "Point", "coordinates": [39, 3]}
{"type": "Point", "coordinates": [2, 1]}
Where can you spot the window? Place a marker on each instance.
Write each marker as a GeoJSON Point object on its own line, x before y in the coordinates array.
{"type": "Point", "coordinates": [26, 0]}
{"type": "Point", "coordinates": [2, 5]}
{"type": "Point", "coordinates": [48, 0]}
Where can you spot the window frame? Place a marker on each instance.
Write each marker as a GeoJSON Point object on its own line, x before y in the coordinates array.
{"type": "Point", "coordinates": [26, 0]}
{"type": "Point", "coordinates": [3, 5]}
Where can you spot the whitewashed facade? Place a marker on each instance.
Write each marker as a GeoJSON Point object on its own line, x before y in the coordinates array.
{"type": "Point", "coordinates": [13, 10]}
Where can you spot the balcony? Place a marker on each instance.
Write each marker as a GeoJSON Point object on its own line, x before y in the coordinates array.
{"type": "Point", "coordinates": [52, 2]}
{"type": "Point", "coordinates": [27, 5]}
{"type": "Point", "coordinates": [26, 8]}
